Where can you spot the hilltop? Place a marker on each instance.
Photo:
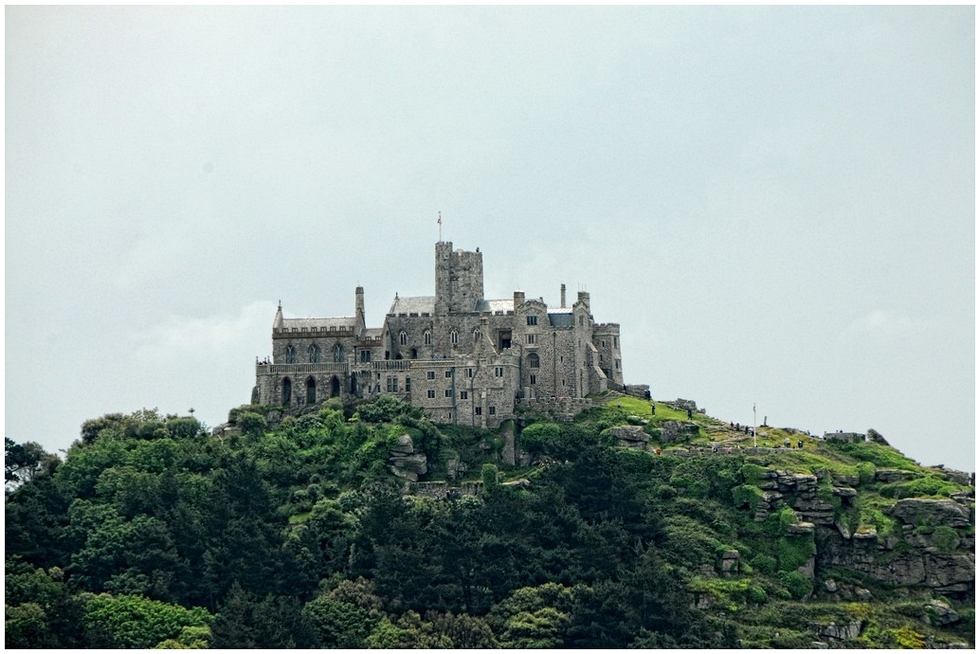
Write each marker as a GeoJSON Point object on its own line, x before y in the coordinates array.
{"type": "Point", "coordinates": [634, 524]}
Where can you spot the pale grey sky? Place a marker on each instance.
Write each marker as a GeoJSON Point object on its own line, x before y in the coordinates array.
{"type": "Point", "coordinates": [776, 203]}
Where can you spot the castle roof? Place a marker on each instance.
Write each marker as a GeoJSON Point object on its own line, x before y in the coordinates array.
{"type": "Point", "coordinates": [561, 318]}
{"type": "Point", "coordinates": [347, 322]}
{"type": "Point", "coordinates": [495, 305]}
{"type": "Point", "coordinates": [413, 305]}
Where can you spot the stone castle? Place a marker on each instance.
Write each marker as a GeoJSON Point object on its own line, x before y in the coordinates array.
{"type": "Point", "coordinates": [461, 357]}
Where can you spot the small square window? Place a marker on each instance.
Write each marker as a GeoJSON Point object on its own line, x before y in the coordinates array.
{"type": "Point", "coordinates": [464, 395]}
{"type": "Point", "coordinates": [532, 320]}
{"type": "Point", "coordinates": [493, 410]}
{"type": "Point", "coordinates": [430, 374]}
{"type": "Point", "coordinates": [430, 393]}
{"type": "Point", "coordinates": [449, 373]}
{"type": "Point", "coordinates": [478, 411]}
{"type": "Point", "coordinates": [448, 392]}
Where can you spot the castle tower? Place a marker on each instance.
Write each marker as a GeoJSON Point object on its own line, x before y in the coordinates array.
{"type": "Point", "coordinates": [459, 279]}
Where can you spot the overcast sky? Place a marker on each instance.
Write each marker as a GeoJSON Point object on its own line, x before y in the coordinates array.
{"type": "Point", "coordinates": [776, 204]}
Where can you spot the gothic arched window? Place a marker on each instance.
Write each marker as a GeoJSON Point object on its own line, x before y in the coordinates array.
{"type": "Point", "coordinates": [454, 337]}
{"type": "Point", "coordinates": [533, 361]}
{"type": "Point", "coordinates": [314, 354]}
{"type": "Point", "coordinates": [403, 339]}
{"type": "Point", "coordinates": [476, 336]}
{"type": "Point", "coordinates": [338, 353]}
{"type": "Point", "coordinates": [290, 354]}
{"type": "Point", "coordinates": [427, 338]}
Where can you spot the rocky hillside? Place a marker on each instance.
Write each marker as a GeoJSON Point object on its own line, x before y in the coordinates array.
{"type": "Point", "coordinates": [636, 524]}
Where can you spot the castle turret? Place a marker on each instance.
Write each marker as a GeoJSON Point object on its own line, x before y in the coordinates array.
{"type": "Point", "coordinates": [359, 310]}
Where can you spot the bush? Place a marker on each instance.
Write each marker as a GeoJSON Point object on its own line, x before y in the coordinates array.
{"type": "Point", "coordinates": [797, 585]}
{"type": "Point", "coordinates": [746, 495]}
{"type": "Point", "coordinates": [540, 437]}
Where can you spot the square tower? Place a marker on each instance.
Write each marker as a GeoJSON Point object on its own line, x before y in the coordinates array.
{"type": "Point", "coordinates": [459, 279]}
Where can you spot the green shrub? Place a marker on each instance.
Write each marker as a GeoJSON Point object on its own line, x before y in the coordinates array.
{"type": "Point", "coordinates": [539, 437]}
{"type": "Point", "coordinates": [746, 495]}
{"type": "Point", "coordinates": [765, 563]}
{"type": "Point", "coordinates": [797, 585]}
{"type": "Point", "coordinates": [866, 472]}
{"type": "Point", "coordinates": [752, 473]}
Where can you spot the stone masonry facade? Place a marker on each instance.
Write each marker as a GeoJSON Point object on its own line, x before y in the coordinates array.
{"type": "Point", "coordinates": [463, 358]}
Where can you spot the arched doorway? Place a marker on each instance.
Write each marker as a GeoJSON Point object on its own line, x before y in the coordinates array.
{"type": "Point", "coordinates": [310, 391]}
{"type": "Point", "coordinates": [287, 391]}
{"type": "Point", "coordinates": [334, 387]}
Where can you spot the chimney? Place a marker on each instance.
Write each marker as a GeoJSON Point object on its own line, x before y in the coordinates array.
{"type": "Point", "coordinates": [518, 298]}
{"type": "Point", "coordinates": [562, 296]}
{"type": "Point", "coordinates": [583, 297]}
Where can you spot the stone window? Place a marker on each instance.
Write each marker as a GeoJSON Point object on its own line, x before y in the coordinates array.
{"type": "Point", "coordinates": [469, 373]}
{"type": "Point", "coordinates": [338, 353]}
{"type": "Point", "coordinates": [478, 410]}
{"type": "Point", "coordinates": [392, 385]}
{"type": "Point", "coordinates": [408, 384]}
{"type": "Point", "coordinates": [365, 356]}
{"type": "Point", "coordinates": [581, 321]}
{"type": "Point", "coordinates": [311, 391]}
{"type": "Point", "coordinates": [290, 354]}
{"type": "Point", "coordinates": [533, 361]}
{"type": "Point", "coordinates": [476, 336]}
{"type": "Point", "coordinates": [493, 410]}
{"type": "Point", "coordinates": [615, 341]}
{"type": "Point", "coordinates": [430, 393]}
{"type": "Point", "coordinates": [498, 371]}
{"type": "Point", "coordinates": [532, 320]}
{"type": "Point", "coordinates": [603, 342]}
{"type": "Point", "coordinates": [454, 337]}
{"type": "Point", "coordinates": [534, 380]}
{"type": "Point", "coordinates": [531, 339]}
{"type": "Point", "coordinates": [314, 354]}
{"type": "Point", "coordinates": [617, 364]}
{"type": "Point", "coordinates": [464, 395]}
{"type": "Point", "coordinates": [403, 338]}
{"type": "Point", "coordinates": [449, 373]}
{"type": "Point", "coordinates": [430, 374]}
{"type": "Point", "coordinates": [427, 337]}
{"type": "Point", "coordinates": [287, 390]}
{"type": "Point", "coordinates": [448, 392]}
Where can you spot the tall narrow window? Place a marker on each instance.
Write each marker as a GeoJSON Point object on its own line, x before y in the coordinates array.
{"type": "Point", "coordinates": [476, 336]}
{"type": "Point", "coordinates": [427, 338]}
{"type": "Point", "coordinates": [287, 390]}
{"type": "Point", "coordinates": [311, 391]}
{"type": "Point", "coordinates": [338, 353]}
{"type": "Point", "coordinates": [403, 338]}
{"type": "Point", "coordinates": [314, 354]}
{"type": "Point", "coordinates": [290, 354]}
{"type": "Point", "coordinates": [454, 337]}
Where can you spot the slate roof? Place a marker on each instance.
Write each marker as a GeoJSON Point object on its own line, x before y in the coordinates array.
{"type": "Point", "coordinates": [495, 305]}
{"type": "Point", "coordinates": [418, 305]}
{"type": "Point", "coordinates": [346, 322]}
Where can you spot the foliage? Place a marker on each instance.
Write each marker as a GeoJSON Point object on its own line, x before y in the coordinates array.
{"type": "Point", "coordinates": [152, 533]}
{"type": "Point", "coordinates": [136, 622]}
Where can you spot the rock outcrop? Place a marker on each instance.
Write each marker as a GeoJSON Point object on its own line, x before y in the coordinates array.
{"type": "Point", "coordinates": [405, 462]}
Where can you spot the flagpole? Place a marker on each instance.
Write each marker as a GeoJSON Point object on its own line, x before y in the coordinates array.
{"type": "Point", "coordinates": [440, 226]}
{"type": "Point", "coordinates": [755, 423]}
